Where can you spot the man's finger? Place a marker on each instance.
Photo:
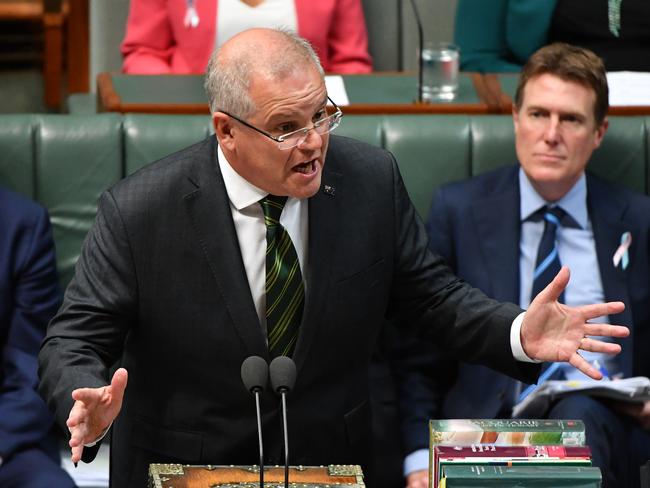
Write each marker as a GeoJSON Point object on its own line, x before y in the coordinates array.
{"type": "Point", "coordinates": [555, 288]}
{"type": "Point", "coordinates": [595, 345]}
{"type": "Point", "coordinates": [87, 395]}
{"type": "Point", "coordinates": [606, 330]}
{"type": "Point", "coordinates": [77, 414]}
{"type": "Point", "coordinates": [577, 361]}
{"type": "Point", "coordinates": [601, 309]}
{"type": "Point", "coordinates": [118, 384]}
{"type": "Point", "coordinates": [76, 453]}
{"type": "Point", "coordinates": [77, 435]}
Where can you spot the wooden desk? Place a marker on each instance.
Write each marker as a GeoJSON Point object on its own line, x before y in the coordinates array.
{"type": "Point", "coordinates": [501, 88]}
{"type": "Point", "coordinates": [381, 93]}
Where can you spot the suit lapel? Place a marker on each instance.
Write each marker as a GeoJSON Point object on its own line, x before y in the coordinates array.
{"type": "Point", "coordinates": [607, 218]}
{"type": "Point", "coordinates": [324, 213]}
{"type": "Point", "coordinates": [496, 219]}
{"type": "Point", "coordinates": [209, 210]}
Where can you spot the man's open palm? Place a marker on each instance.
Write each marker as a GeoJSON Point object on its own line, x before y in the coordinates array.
{"type": "Point", "coordinates": [93, 412]}
{"type": "Point", "coordinates": [552, 331]}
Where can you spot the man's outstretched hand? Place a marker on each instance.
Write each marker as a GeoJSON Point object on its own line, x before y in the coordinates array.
{"type": "Point", "coordinates": [93, 412]}
{"type": "Point", "coordinates": [552, 331]}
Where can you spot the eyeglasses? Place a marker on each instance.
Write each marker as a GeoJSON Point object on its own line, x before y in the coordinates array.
{"type": "Point", "coordinates": [297, 137]}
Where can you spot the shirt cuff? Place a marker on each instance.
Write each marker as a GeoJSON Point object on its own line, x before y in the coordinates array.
{"type": "Point", "coordinates": [94, 443]}
{"type": "Point", "coordinates": [416, 461]}
{"type": "Point", "coordinates": [515, 340]}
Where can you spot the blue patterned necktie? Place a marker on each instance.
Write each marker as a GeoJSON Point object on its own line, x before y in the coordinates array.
{"type": "Point", "coordinates": [285, 292]}
{"type": "Point", "coordinates": [548, 263]}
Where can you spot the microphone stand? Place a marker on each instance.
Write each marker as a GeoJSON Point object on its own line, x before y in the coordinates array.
{"type": "Point", "coordinates": [418, 21]}
{"type": "Point", "coordinates": [259, 434]}
{"type": "Point", "coordinates": [285, 432]}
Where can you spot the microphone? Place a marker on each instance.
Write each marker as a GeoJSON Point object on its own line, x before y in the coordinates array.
{"type": "Point", "coordinates": [254, 375]}
{"type": "Point", "coordinates": [418, 21]}
{"type": "Point", "coordinates": [283, 377]}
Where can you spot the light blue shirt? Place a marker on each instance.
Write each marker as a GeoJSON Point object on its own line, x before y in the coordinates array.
{"type": "Point", "coordinates": [577, 250]}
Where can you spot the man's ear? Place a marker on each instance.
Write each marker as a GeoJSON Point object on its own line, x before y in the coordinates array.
{"type": "Point", "coordinates": [223, 129]}
{"type": "Point", "coordinates": [600, 132]}
{"type": "Point", "coordinates": [515, 118]}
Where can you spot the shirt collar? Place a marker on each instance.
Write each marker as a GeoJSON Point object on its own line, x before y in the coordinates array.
{"type": "Point", "coordinates": [241, 192]}
{"type": "Point", "coordinates": [574, 202]}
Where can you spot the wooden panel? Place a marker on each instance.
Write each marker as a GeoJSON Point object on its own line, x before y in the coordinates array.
{"type": "Point", "coordinates": [184, 476]}
{"type": "Point", "coordinates": [77, 48]}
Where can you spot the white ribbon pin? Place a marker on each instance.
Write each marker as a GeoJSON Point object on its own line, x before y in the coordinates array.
{"type": "Point", "coordinates": [191, 20]}
{"type": "Point", "coordinates": [622, 255]}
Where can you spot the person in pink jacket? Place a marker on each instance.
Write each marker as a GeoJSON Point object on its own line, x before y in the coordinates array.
{"type": "Point", "coordinates": [177, 36]}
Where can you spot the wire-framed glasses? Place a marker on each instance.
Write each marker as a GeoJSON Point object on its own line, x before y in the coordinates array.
{"type": "Point", "coordinates": [297, 137]}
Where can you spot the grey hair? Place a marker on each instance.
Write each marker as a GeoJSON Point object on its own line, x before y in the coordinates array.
{"type": "Point", "coordinates": [228, 77]}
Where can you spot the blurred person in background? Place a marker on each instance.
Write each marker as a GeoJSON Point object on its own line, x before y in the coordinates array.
{"type": "Point", "coordinates": [178, 36]}
{"type": "Point", "coordinates": [29, 298]}
{"type": "Point", "coordinates": [500, 35]}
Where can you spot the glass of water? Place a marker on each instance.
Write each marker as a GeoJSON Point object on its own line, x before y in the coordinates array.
{"type": "Point", "coordinates": [439, 71]}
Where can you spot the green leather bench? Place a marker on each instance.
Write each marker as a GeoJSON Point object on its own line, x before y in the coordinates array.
{"type": "Point", "coordinates": [66, 161]}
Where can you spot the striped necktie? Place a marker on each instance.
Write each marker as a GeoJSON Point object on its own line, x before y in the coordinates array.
{"type": "Point", "coordinates": [285, 292]}
{"type": "Point", "coordinates": [548, 263]}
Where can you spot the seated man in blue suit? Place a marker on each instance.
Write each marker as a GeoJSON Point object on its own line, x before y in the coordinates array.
{"type": "Point", "coordinates": [29, 297]}
{"type": "Point", "coordinates": [507, 231]}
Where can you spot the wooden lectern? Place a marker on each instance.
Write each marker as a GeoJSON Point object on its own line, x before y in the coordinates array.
{"type": "Point", "coordinates": [187, 476]}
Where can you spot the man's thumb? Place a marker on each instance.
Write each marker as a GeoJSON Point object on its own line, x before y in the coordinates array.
{"type": "Point", "coordinates": [118, 383]}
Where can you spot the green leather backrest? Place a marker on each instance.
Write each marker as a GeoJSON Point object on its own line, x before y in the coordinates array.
{"type": "Point", "coordinates": [66, 161]}
{"type": "Point", "coordinates": [77, 157]}
{"type": "Point", "coordinates": [430, 151]}
{"type": "Point", "coordinates": [17, 162]}
{"type": "Point", "coordinates": [148, 138]}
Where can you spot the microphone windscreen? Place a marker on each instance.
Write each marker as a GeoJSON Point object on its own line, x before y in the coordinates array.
{"type": "Point", "coordinates": [283, 373]}
{"type": "Point", "coordinates": [254, 373]}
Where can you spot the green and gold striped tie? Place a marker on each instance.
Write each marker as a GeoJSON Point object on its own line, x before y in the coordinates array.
{"type": "Point", "coordinates": [285, 292]}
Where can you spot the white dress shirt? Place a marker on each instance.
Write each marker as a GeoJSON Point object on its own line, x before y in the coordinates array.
{"type": "Point", "coordinates": [251, 231]}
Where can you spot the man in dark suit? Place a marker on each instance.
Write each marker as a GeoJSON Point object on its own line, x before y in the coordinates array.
{"type": "Point", "coordinates": [174, 283]}
{"type": "Point", "coordinates": [29, 297]}
{"type": "Point", "coordinates": [487, 230]}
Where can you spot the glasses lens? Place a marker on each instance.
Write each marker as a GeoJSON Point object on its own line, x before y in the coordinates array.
{"type": "Point", "coordinates": [328, 124]}
{"type": "Point", "coordinates": [321, 127]}
{"type": "Point", "coordinates": [293, 139]}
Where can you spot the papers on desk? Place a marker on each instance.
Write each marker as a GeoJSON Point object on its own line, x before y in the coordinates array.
{"type": "Point", "coordinates": [336, 90]}
{"type": "Point", "coordinates": [628, 88]}
{"type": "Point", "coordinates": [535, 405]}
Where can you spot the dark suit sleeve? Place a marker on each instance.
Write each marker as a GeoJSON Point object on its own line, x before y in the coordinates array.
{"type": "Point", "coordinates": [86, 337]}
{"type": "Point", "coordinates": [24, 418]}
{"type": "Point", "coordinates": [427, 298]}
{"type": "Point", "coordinates": [424, 376]}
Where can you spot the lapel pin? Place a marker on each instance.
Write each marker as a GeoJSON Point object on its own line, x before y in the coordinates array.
{"type": "Point", "coordinates": [329, 190]}
{"type": "Point", "coordinates": [622, 254]}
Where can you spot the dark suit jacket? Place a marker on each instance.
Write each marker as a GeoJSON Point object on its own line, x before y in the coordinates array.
{"type": "Point", "coordinates": [161, 288]}
{"type": "Point", "coordinates": [475, 225]}
{"type": "Point", "coordinates": [29, 297]}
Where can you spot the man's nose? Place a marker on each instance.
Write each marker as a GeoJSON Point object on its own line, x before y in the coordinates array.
{"type": "Point", "coordinates": [313, 140]}
{"type": "Point", "coordinates": [552, 132]}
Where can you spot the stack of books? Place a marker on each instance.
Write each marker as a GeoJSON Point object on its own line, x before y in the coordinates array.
{"type": "Point", "coordinates": [510, 452]}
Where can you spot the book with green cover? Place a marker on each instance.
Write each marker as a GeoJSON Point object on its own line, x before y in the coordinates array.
{"type": "Point", "coordinates": [502, 432]}
{"type": "Point", "coordinates": [507, 456]}
{"type": "Point", "coordinates": [520, 477]}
